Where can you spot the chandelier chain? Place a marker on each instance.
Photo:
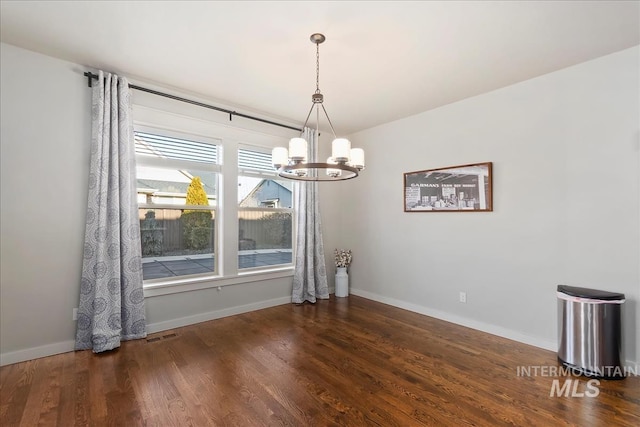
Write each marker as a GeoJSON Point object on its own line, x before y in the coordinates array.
{"type": "Point", "coordinates": [317, 67]}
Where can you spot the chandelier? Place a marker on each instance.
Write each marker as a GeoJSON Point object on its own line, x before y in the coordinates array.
{"type": "Point", "coordinates": [345, 162]}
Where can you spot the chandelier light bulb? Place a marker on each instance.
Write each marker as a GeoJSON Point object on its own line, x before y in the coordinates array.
{"type": "Point", "coordinates": [333, 172]}
{"type": "Point", "coordinates": [279, 157]}
{"type": "Point", "coordinates": [341, 150]}
{"type": "Point", "coordinates": [298, 149]}
{"type": "Point", "coordinates": [357, 158]}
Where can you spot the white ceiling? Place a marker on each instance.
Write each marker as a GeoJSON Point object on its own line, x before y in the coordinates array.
{"type": "Point", "coordinates": [381, 61]}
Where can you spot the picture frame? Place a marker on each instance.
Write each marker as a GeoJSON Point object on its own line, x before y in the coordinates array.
{"type": "Point", "coordinates": [463, 188]}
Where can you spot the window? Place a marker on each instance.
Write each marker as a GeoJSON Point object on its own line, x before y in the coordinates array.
{"type": "Point", "coordinates": [177, 188]}
{"type": "Point", "coordinates": [265, 212]}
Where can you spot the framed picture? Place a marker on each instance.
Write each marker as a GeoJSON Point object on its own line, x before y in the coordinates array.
{"type": "Point", "coordinates": [464, 188]}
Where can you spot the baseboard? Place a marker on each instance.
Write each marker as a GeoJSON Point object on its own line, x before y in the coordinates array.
{"type": "Point", "coordinates": [66, 346]}
{"type": "Point", "coordinates": [36, 352]}
{"type": "Point", "coordinates": [217, 314]}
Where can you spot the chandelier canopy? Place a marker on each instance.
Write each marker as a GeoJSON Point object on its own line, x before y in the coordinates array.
{"type": "Point", "coordinates": [295, 163]}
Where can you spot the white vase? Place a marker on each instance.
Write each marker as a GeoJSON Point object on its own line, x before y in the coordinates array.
{"type": "Point", "coordinates": [342, 282]}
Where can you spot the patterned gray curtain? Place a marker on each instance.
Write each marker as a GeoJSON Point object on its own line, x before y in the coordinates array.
{"type": "Point", "coordinates": [310, 274]}
{"type": "Point", "coordinates": [111, 305]}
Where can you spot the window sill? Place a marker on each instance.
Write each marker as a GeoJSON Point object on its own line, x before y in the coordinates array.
{"type": "Point", "coordinates": [174, 286]}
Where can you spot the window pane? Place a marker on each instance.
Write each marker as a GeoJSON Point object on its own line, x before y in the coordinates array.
{"type": "Point", "coordinates": [169, 186]}
{"type": "Point", "coordinates": [177, 242]}
{"type": "Point", "coordinates": [264, 193]}
{"type": "Point", "coordinates": [265, 238]}
{"type": "Point", "coordinates": [265, 213]}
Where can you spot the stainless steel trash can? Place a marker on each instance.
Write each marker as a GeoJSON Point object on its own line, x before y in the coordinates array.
{"type": "Point", "coordinates": [590, 331]}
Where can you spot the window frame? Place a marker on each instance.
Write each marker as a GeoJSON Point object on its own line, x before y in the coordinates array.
{"type": "Point", "coordinates": [167, 117]}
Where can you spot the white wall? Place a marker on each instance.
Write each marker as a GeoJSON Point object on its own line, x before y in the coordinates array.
{"type": "Point", "coordinates": [566, 164]}
{"type": "Point", "coordinates": [45, 129]}
{"type": "Point", "coordinates": [44, 125]}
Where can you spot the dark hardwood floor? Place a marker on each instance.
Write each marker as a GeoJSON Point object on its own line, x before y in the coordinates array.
{"type": "Point", "coordinates": [343, 362]}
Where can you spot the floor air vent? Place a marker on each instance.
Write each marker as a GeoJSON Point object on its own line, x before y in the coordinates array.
{"type": "Point", "coordinates": [155, 339]}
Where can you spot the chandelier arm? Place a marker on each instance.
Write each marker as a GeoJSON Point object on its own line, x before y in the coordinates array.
{"type": "Point", "coordinates": [307, 119]}
{"type": "Point", "coordinates": [329, 120]}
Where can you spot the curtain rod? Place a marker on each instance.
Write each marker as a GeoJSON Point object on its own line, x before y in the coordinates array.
{"type": "Point", "coordinates": [90, 76]}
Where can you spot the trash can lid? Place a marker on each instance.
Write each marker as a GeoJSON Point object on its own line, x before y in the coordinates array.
{"type": "Point", "coordinates": [590, 293]}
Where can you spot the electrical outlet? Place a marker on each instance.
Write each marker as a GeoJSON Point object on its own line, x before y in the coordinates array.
{"type": "Point", "coordinates": [463, 297]}
{"type": "Point", "coordinates": [74, 315]}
